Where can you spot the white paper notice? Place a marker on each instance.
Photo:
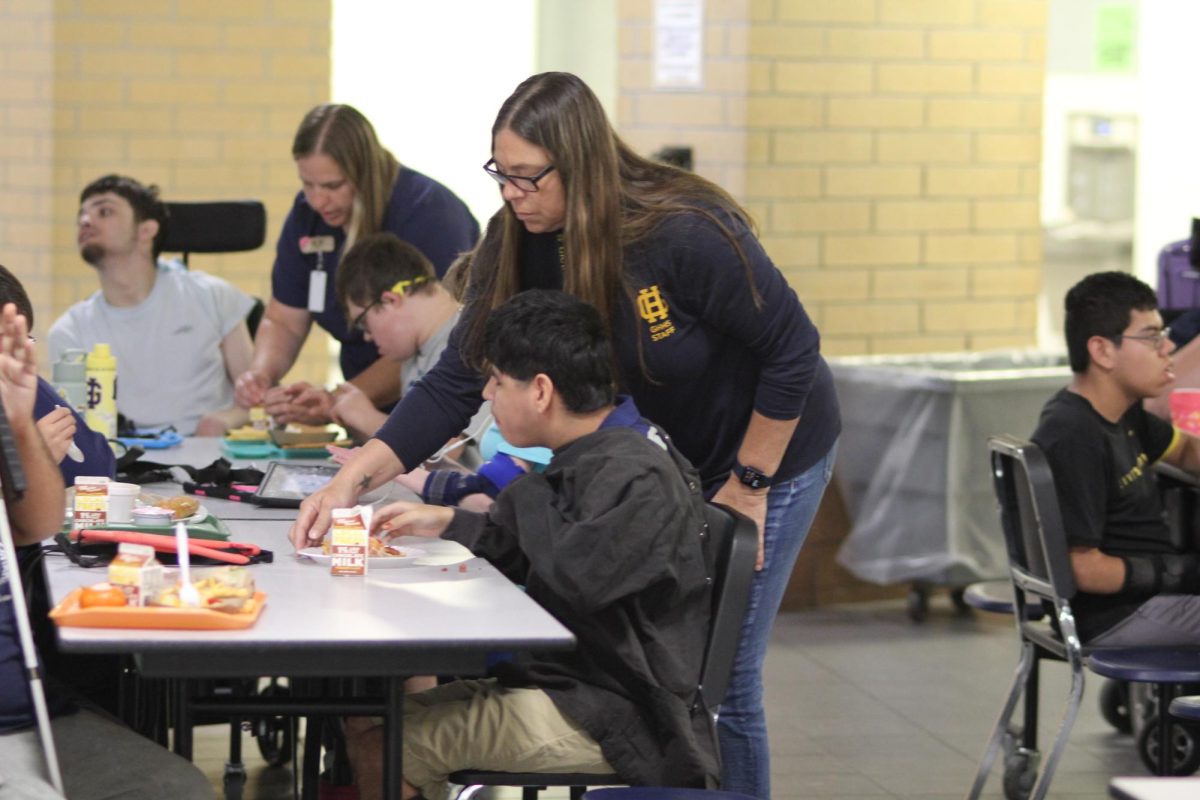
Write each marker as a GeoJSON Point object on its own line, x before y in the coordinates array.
{"type": "Point", "coordinates": [678, 44]}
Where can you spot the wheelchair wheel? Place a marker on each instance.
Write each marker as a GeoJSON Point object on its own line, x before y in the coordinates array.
{"type": "Point", "coordinates": [1114, 705]}
{"type": "Point", "coordinates": [1020, 774]}
{"type": "Point", "coordinates": [1185, 751]}
{"type": "Point", "coordinates": [274, 734]}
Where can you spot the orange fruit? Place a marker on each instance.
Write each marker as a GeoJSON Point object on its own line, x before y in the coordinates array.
{"type": "Point", "coordinates": [102, 594]}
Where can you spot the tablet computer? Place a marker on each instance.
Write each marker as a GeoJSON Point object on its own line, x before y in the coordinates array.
{"type": "Point", "coordinates": [285, 485]}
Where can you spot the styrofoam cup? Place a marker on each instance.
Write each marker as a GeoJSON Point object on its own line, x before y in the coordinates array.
{"type": "Point", "coordinates": [121, 499]}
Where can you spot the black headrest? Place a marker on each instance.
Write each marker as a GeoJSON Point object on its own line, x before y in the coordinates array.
{"type": "Point", "coordinates": [220, 226]}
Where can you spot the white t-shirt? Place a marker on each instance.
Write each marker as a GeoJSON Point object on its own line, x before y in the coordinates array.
{"type": "Point", "coordinates": [170, 370]}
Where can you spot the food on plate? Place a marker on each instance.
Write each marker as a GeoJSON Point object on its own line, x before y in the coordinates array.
{"type": "Point", "coordinates": [102, 594]}
{"type": "Point", "coordinates": [377, 548]}
{"type": "Point", "coordinates": [182, 505]}
{"type": "Point", "coordinates": [295, 434]}
{"type": "Point", "coordinates": [247, 433]}
{"type": "Point", "coordinates": [229, 589]}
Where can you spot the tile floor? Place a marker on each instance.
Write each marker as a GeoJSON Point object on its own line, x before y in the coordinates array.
{"type": "Point", "coordinates": [863, 703]}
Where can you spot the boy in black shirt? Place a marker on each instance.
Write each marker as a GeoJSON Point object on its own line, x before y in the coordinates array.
{"type": "Point", "coordinates": [1134, 587]}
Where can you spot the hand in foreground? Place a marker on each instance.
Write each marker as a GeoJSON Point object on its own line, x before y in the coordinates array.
{"type": "Point", "coordinates": [312, 523]}
{"type": "Point", "coordinates": [300, 402]}
{"type": "Point", "coordinates": [58, 431]}
{"type": "Point", "coordinates": [18, 367]}
{"type": "Point", "coordinates": [250, 388]}
{"type": "Point", "coordinates": [411, 519]}
{"type": "Point", "coordinates": [751, 502]}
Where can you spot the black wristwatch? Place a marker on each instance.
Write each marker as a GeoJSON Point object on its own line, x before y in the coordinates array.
{"type": "Point", "coordinates": [751, 477]}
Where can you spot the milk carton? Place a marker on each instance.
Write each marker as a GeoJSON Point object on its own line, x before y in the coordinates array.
{"type": "Point", "coordinates": [136, 572]}
{"type": "Point", "coordinates": [349, 540]}
{"type": "Point", "coordinates": [91, 502]}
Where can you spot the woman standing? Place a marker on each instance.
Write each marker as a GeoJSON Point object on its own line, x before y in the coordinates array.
{"type": "Point", "coordinates": [711, 342]}
{"type": "Point", "coordinates": [351, 186]}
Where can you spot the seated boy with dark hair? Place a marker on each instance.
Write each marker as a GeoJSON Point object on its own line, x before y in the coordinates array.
{"type": "Point", "coordinates": [1135, 588]}
{"type": "Point", "coordinates": [608, 540]}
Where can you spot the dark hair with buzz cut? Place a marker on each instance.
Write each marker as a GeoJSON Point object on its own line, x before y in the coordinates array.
{"type": "Point", "coordinates": [551, 332]}
{"type": "Point", "coordinates": [375, 264]}
{"type": "Point", "coordinates": [144, 199]}
{"type": "Point", "coordinates": [1101, 305]}
{"type": "Point", "coordinates": [11, 291]}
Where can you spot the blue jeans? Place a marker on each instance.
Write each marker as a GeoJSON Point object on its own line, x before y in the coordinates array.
{"type": "Point", "coordinates": [742, 724]}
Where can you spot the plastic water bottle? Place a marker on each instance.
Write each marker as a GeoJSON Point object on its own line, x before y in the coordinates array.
{"type": "Point", "coordinates": [69, 376]}
{"type": "Point", "coordinates": [101, 411]}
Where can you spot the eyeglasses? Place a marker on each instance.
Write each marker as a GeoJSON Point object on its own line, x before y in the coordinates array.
{"type": "Point", "coordinates": [399, 287]}
{"type": "Point", "coordinates": [1155, 340]}
{"type": "Point", "coordinates": [526, 183]}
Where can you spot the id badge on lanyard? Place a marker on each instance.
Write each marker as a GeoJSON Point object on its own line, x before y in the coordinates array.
{"type": "Point", "coordinates": [318, 279]}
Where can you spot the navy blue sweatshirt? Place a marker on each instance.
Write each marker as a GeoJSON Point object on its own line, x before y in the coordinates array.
{"type": "Point", "coordinates": [712, 356]}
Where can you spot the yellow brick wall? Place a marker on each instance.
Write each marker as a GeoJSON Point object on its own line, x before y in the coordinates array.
{"type": "Point", "coordinates": [888, 149]}
{"type": "Point", "coordinates": [201, 97]}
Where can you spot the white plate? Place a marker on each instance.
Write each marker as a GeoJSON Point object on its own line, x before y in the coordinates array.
{"type": "Point", "coordinates": [374, 562]}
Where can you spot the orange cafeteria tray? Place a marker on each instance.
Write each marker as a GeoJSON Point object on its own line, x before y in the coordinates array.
{"type": "Point", "coordinates": [69, 613]}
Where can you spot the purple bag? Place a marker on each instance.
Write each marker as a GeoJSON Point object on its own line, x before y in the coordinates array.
{"type": "Point", "coordinates": [1179, 272]}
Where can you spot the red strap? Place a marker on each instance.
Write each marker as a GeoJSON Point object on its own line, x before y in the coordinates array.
{"type": "Point", "coordinates": [215, 550]}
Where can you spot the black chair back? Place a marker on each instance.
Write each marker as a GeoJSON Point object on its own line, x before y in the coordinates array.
{"type": "Point", "coordinates": [220, 226]}
{"type": "Point", "coordinates": [1039, 561]}
{"type": "Point", "coordinates": [732, 549]}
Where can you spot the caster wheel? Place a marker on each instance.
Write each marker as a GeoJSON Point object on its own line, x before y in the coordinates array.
{"type": "Point", "coordinates": [274, 734]}
{"type": "Point", "coordinates": [1020, 774]}
{"type": "Point", "coordinates": [957, 597]}
{"type": "Point", "coordinates": [1185, 752]}
{"type": "Point", "coordinates": [1114, 705]}
{"type": "Point", "coordinates": [918, 604]}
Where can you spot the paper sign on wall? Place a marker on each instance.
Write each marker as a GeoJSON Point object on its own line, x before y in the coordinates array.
{"type": "Point", "coordinates": [678, 44]}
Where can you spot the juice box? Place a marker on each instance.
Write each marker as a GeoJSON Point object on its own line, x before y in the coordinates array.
{"type": "Point", "coordinates": [136, 572]}
{"type": "Point", "coordinates": [91, 502]}
{"type": "Point", "coordinates": [349, 540]}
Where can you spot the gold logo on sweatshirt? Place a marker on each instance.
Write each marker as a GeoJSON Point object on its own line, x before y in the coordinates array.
{"type": "Point", "coordinates": [653, 308]}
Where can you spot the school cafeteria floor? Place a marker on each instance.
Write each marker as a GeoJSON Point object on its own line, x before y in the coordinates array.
{"type": "Point", "coordinates": [863, 703]}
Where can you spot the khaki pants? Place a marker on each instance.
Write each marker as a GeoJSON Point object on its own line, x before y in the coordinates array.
{"type": "Point", "coordinates": [478, 724]}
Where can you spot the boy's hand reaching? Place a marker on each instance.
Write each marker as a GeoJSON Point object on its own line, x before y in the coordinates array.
{"type": "Point", "coordinates": [411, 519]}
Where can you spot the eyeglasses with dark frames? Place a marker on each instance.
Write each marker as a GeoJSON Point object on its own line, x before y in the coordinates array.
{"type": "Point", "coordinates": [1155, 340]}
{"type": "Point", "coordinates": [399, 287]}
{"type": "Point", "coordinates": [526, 183]}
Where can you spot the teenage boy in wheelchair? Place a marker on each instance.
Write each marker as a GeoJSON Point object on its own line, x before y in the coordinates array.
{"type": "Point", "coordinates": [1136, 586]}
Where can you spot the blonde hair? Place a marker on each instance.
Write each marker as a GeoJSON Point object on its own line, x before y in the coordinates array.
{"type": "Point", "coordinates": [614, 197]}
{"type": "Point", "coordinates": [345, 135]}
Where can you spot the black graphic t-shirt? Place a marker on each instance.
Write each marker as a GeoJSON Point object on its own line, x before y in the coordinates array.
{"type": "Point", "coordinates": [1106, 490]}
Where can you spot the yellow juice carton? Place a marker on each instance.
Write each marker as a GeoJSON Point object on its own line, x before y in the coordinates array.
{"type": "Point", "coordinates": [91, 502]}
{"type": "Point", "coordinates": [349, 540]}
{"type": "Point", "coordinates": [136, 572]}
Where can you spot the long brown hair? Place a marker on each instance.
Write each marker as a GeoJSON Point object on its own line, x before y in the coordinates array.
{"type": "Point", "coordinates": [614, 197]}
{"type": "Point", "coordinates": [345, 135]}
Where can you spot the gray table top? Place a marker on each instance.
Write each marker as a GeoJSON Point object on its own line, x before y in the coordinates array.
{"type": "Point", "coordinates": [443, 613]}
{"type": "Point", "coordinates": [1154, 788]}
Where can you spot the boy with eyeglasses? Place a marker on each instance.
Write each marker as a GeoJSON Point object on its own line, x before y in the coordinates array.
{"type": "Point", "coordinates": [390, 292]}
{"type": "Point", "coordinates": [1135, 587]}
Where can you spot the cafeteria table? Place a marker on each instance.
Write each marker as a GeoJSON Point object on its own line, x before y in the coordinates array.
{"type": "Point", "coordinates": [443, 614]}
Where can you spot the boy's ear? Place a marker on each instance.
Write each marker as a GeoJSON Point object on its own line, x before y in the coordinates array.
{"type": "Point", "coordinates": [147, 229]}
{"type": "Point", "coordinates": [1102, 352]}
{"type": "Point", "coordinates": [543, 391]}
